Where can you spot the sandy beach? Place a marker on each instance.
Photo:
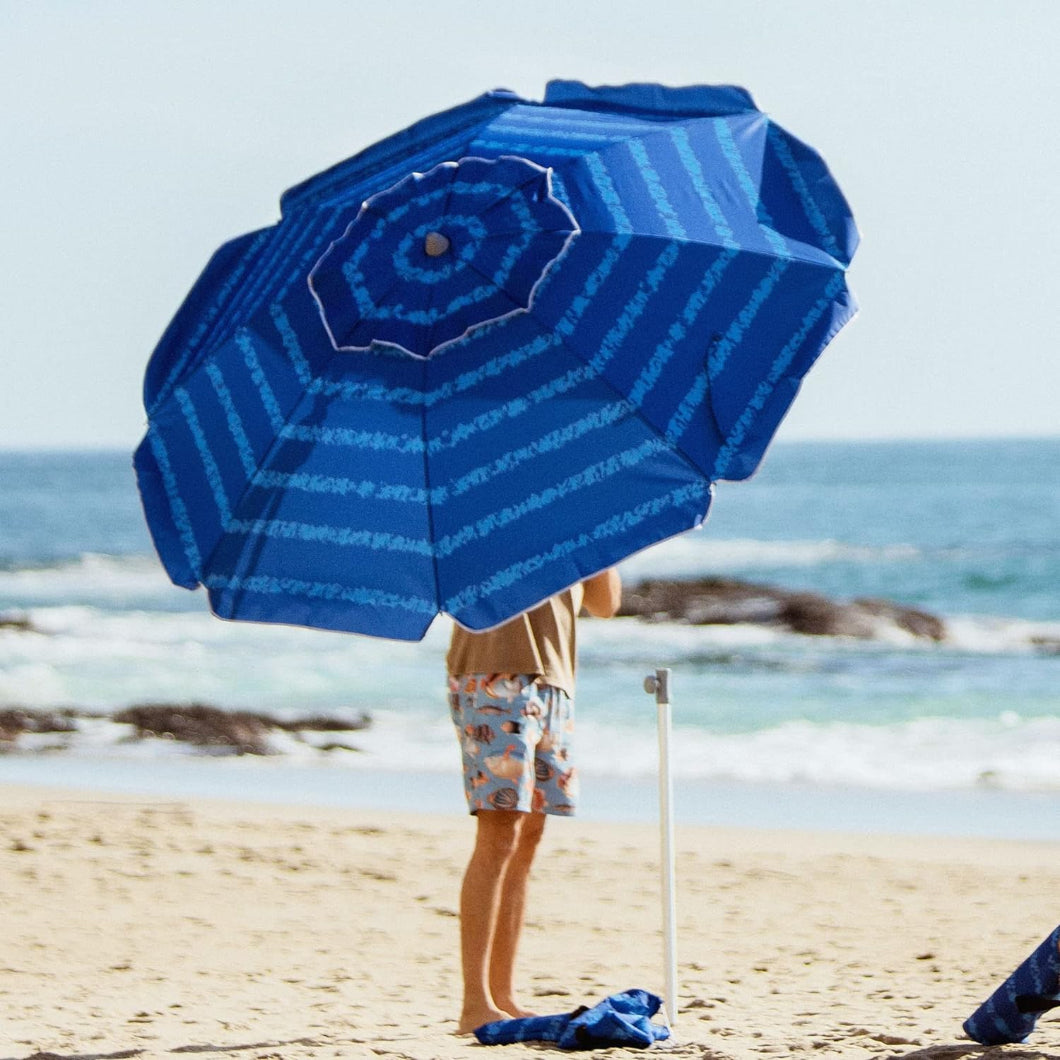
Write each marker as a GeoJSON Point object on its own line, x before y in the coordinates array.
{"type": "Point", "coordinates": [154, 928]}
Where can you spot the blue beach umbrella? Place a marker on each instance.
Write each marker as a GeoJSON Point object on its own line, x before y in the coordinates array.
{"type": "Point", "coordinates": [490, 356]}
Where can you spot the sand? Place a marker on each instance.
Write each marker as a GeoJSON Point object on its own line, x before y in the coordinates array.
{"type": "Point", "coordinates": [150, 928]}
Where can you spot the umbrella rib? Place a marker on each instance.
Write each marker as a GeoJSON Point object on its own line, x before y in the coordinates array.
{"type": "Point", "coordinates": [383, 162]}
{"type": "Point", "coordinates": [511, 190]}
{"type": "Point", "coordinates": [378, 300]}
{"type": "Point", "coordinates": [653, 131]}
{"type": "Point", "coordinates": [279, 438]}
{"type": "Point", "coordinates": [423, 429]}
{"type": "Point", "coordinates": [623, 399]}
{"type": "Point", "coordinates": [251, 484]}
{"type": "Point", "coordinates": [433, 289]}
{"type": "Point", "coordinates": [516, 305]}
{"type": "Point", "coordinates": [429, 502]}
{"type": "Point", "coordinates": [829, 265]}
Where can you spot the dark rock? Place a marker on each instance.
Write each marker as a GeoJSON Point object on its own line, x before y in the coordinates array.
{"type": "Point", "coordinates": [912, 620]}
{"type": "Point", "coordinates": [323, 723]}
{"type": "Point", "coordinates": [727, 601]}
{"type": "Point", "coordinates": [702, 602]}
{"type": "Point", "coordinates": [17, 720]}
{"type": "Point", "coordinates": [817, 616]}
{"type": "Point", "coordinates": [19, 623]}
{"type": "Point", "coordinates": [198, 724]}
{"type": "Point", "coordinates": [242, 732]}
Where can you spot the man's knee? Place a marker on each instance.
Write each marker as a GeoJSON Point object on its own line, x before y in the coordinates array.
{"type": "Point", "coordinates": [533, 827]}
{"type": "Point", "coordinates": [530, 832]}
{"type": "Point", "coordinates": [498, 833]}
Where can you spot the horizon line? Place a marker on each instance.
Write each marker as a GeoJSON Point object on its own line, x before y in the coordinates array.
{"type": "Point", "coordinates": [113, 448]}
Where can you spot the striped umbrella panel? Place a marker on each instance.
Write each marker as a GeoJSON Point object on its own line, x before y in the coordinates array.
{"type": "Point", "coordinates": [621, 366]}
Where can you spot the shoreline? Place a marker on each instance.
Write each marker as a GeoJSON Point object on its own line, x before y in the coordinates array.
{"type": "Point", "coordinates": [152, 926]}
{"type": "Point", "coordinates": [958, 813]}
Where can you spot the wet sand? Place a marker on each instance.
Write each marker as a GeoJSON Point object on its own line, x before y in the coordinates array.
{"type": "Point", "coordinates": [155, 928]}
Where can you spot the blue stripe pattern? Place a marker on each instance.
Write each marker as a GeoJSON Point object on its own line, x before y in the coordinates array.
{"type": "Point", "coordinates": [350, 485]}
{"type": "Point", "coordinates": [177, 510]}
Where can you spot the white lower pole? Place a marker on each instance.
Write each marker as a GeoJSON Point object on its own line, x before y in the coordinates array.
{"type": "Point", "coordinates": [658, 685]}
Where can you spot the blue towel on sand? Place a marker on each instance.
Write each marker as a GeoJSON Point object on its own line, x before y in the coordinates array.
{"type": "Point", "coordinates": [1009, 1014]}
{"type": "Point", "coordinates": [621, 1019]}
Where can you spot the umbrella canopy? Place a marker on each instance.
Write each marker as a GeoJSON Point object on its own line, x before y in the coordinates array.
{"type": "Point", "coordinates": [490, 356]}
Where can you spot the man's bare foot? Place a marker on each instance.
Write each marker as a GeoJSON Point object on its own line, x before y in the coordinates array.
{"type": "Point", "coordinates": [515, 1010]}
{"type": "Point", "coordinates": [470, 1020]}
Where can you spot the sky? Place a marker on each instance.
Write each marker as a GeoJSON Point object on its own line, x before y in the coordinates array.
{"type": "Point", "coordinates": [138, 135]}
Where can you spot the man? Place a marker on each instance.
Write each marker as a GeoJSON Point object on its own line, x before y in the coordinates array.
{"type": "Point", "coordinates": [512, 699]}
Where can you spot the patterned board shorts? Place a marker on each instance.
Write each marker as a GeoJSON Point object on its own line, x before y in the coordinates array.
{"type": "Point", "coordinates": [515, 735]}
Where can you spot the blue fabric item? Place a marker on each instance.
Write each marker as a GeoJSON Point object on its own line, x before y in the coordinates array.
{"type": "Point", "coordinates": [526, 1029]}
{"type": "Point", "coordinates": [619, 1020]}
{"type": "Point", "coordinates": [489, 356]}
{"type": "Point", "coordinates": [1010, 1013]}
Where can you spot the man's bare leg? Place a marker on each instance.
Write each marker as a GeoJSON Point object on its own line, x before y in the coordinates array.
{"type": "Point", "coordinates": [509, 924]}
{"type": "Point", "coordinates": [496, 840]}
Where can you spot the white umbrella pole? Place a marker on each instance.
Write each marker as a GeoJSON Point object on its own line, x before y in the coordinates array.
{"type": "Point", "coordinates": [658, 684]}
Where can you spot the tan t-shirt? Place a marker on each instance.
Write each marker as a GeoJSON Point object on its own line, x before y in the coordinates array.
{"type": "Point", "coordinates": [540, 642]}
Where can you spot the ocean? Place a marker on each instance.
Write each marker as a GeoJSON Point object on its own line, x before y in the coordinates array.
{"type": "Point", "coordinates": [771, 728]}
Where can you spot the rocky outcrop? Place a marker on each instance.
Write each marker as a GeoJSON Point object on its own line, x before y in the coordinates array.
{"type": "Point", "coordinates": [241, 731]}
{"type": "Point", "coordinates": [16, 720]}
{"type": "Point", "coordinates": [727, 601]}
{"type": "Point", "coordinates": [200, 726]}
{"type": "Point", "coordinates": [1046, 645]}
{"type": "Point", "coordinates": [197, 724]}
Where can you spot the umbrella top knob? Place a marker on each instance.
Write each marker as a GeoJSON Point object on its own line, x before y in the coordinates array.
{"type": "Point", "coordinates": [435, 244]}
{"type": "Point", "coordinates": [441, 254]}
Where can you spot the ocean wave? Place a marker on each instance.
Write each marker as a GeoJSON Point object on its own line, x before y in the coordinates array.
{"type": "Point", "coordinates": [987, 634]}
{"type": "Point", "coordinates": [696, 553]}
{"type": "Point", "coordinates": [94, 579]}
{"type": "Point", "coordinates": [1003, 753]}
{"type": "Point", "coordinates": [1006, 752]}
{"type": "Point", "coordinates": [634, 640]}
{"type": "Point", "coordinates": [749, 689]}
{"type": "Point", "coordinates": [691, 554]}
{"type": "Point", "coordinates": [93, 657]}
{"type": "Point", "coordinates": [137, 583]}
